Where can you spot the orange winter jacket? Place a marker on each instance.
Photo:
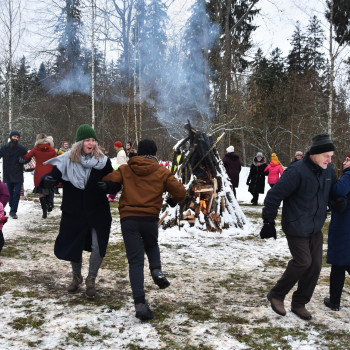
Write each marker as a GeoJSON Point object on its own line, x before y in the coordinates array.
{"type": "Point", "coordinates": [144, 182]}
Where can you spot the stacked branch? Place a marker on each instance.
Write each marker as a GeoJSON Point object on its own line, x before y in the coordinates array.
{"type": "Point", "coordinates": [210, 203]}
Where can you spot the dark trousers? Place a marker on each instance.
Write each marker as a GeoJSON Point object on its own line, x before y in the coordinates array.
{"type": "Point", "coordinates": [304, 269]}
{"type": "Point", "coordinates": [2, 240]}
{"type": "Point", "coordinates": [15, 193]}
{"type": "Point", "coordinates": [140, 237]}
{"type": "Point", "coordinates": [337, 280]}
{"type": "Point", "coordinates": [255, 197]}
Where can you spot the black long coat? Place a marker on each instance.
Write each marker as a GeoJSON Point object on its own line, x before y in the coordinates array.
{"type": "Point", "coordinates": [256, 177]}
{"type": "Point", "coordinates": [83, 210]}
{"type": "Point", "coordinates": [233, 167]}
{"type": "Point", "coordinates": [12, 168]}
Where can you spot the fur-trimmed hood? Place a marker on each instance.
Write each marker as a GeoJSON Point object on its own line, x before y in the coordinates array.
{"type": "Point", "coordinates": [48, 140]}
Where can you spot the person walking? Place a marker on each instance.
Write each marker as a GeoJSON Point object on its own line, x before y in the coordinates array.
{"type": "Point", "coordinates": [304, 188]}
{"type": "Point", "coordinates": [13, 170]}
{"type": "Point", "coordinates": [233, 167]}
{"type": "Point", "coordinates": [256, 177]}
{"type": "Point", "coordinates": [42, 151]}
{"type": "Point", "coordinates": [86, 218]}
{"type": "Point", "coordinates": [274, 170]}
{"type": "Point", "coordinates": [139, 208]}
{"type": "Point", "coordinates": [338, 253]}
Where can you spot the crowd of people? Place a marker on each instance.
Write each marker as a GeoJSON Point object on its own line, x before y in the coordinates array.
{"type": "Point", "coordinates": [308, 187]}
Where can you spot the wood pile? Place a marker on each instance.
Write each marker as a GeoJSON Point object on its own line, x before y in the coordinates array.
{"type": "Point", "coordinates": [210, 204]}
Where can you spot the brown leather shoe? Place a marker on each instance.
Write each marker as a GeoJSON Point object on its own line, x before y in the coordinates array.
{"type": "Point", "coordinates": [277, 305]}
{"type": "Point", "coordinates": [301, 312]}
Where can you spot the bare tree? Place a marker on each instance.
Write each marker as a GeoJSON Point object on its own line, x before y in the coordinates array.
{"type": "Point", "coordinates": [11, 21]}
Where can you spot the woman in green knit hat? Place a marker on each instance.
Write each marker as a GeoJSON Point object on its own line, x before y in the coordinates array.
{"type": "Point", "coordinates": [86, 218]}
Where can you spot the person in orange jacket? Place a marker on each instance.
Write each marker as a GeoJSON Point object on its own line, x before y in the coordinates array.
{"type": "Point", "coordinates": [274, 169]}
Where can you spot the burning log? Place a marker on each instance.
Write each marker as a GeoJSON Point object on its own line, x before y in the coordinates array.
{"type": "Point", "coordinates": [210, 203]}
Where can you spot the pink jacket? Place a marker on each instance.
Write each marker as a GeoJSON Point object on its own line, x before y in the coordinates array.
{"type": "Point", "coordinates": [274, 171]}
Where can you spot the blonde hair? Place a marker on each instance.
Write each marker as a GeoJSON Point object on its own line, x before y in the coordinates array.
{"type": "Point", "coordinates": [77, 150]}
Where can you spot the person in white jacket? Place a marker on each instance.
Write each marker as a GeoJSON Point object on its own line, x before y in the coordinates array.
{"type": "Point", "coordinates": [121, 159]}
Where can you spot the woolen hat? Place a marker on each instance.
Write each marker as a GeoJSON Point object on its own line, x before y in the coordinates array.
{"type": "Point", "coordinates": [118, 144]}
{"type": "Point", "coordinates": [230, 149]}
{"type": "Point", "coordinates": [298, 153]}
{"type": "Point", "coordinates": [85, 131]}
{"type": "Point", "coordinates": [274, 156]}
{"type": "Point", "coordinates": [321, 143]}
{"type": "Point", "coordinates": [259, 154]}
{"type": "Point", "coordinates": [147, 147]}
{"type": "Point", "coordinates": [14, 132]}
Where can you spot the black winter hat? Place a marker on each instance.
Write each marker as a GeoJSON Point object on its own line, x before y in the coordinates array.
{"type": "Point", "coordinates": [321, 143]}
{"type": "Point", "coordinates": [147, 148]}
{"type": "Point", "coordinates": [14, 132]}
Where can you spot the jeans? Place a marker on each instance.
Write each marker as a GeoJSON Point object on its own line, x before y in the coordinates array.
{"type": "Point", "coordinates": [15, 192]}
{"type": "Point", "coordinates": [140, 237]}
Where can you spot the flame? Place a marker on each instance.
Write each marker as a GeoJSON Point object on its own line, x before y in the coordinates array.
{"type": "Point", "coordinates": [203, 204]}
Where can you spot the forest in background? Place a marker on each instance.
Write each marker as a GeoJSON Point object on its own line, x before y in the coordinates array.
{"type": "Point", "coordinates": [209, 74]}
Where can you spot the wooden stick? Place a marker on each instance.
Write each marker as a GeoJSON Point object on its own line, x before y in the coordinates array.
{"type": "Point", "coordinates": [162, 218]}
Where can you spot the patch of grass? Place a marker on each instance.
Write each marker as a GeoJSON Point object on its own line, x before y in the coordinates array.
{"type": "Point", "coordinates": [268, 338]}
{"type": "Point", "coordinates": [79, 333]}
{"type": "Point", "coordinates": [197, 313]}
{"type": "Point", "coordinates": [162, 311]}
{"type": "Point", "coordinates": [11, 280]}
{"type": "Point", "coordinates": [115, 258]}
{"type": "Point", "coordinates": [21, 323]}
{"type": "Point", "coordinates": [276, 262]}
{"type": "Point", "coordinates": [29, 294]}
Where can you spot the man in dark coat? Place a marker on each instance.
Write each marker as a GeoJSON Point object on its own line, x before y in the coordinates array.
{"type": "Point", "coordinates": [13, 170]}
{"type": "Point", "coordinates": [304, 188]}
{"type": "Point", "coordinates": [256, 177]}
{"type": "Point", "coordinates": [233, 167]}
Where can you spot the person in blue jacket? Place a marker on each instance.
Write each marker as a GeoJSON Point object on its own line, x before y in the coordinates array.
{"type": "Point", "coordinates": [339, 240]}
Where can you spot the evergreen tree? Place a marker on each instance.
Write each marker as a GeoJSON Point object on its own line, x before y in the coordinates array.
{"type": "Point", "coordinates": [341, 20]}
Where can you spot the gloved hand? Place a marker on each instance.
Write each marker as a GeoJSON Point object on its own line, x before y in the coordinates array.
{"type": "Point", "coordinates": [171, 202]}
{"type": "Point", "coordinates": [338, 204]}
{"type": "Point", "coordinates": [22, 160]}
{"type": "Point", "coordinates": [102, 186]}
{"type": "Point", "coordinates": [268, 230]}
{"type": "Point", "coordinates": [3, 219]}
{"type": "Point", "coordinates": [49, 182]}
{"type": "Point", "coordinates": [248, 182]}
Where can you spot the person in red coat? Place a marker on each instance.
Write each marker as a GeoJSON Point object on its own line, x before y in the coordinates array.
{"type": "Point", "coordinates": [233, 167]}
{"type": "Point", "coordinates": [42, 152]}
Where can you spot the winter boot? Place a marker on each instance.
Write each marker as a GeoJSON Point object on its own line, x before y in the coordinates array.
{"type": "Point", "coordinates": [159, 279]}
{"type": "Point", "coordinates": [90, 286]}
{"type": "Point", "coordinates": [76, 281]}
{"type": "Point", "coordinates": [301, 312]}
{"type": "Point", "coordinates": [49, 201]}
{"type": "Point", "coordinates": [277, 305]}
{"type": "Point", "coordinates": [143, 312]}
{"type": "Point", "coordinates": [331, 305]}
{"type": "Point", "coordinates": [43, 206]}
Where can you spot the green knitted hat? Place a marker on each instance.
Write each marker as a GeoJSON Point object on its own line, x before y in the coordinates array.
{"type": "Point", "coordinates": [85, 131]}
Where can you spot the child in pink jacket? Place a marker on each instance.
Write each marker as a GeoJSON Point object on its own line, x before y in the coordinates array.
{"type": "Point", "coordinates": [274, 169]}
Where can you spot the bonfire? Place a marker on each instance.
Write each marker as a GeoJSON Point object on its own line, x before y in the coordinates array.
{"type": "Point", "coordinates": [210, 204]}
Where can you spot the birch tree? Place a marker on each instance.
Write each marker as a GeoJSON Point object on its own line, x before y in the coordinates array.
{"type": "Point", "coordinates": [11, 21]}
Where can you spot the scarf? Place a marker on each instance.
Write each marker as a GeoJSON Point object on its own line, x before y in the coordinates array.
{"type": "Point", "coordinates": [150, 157]}
{"type": "Point", "coordinates": [77, 173]}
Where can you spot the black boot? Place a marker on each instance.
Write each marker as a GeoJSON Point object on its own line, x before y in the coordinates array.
{"type": "Point", "coordinates": [49, 201]}
{"type": "Point", "coordinates": [43, 206]}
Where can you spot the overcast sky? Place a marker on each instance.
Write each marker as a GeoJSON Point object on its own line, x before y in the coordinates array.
{"type": "Point", "coordinates": [276, 20]}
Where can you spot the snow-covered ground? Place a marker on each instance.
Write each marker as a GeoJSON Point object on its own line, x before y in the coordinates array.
{"type": "Point", "coordinates": [217, 297]}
